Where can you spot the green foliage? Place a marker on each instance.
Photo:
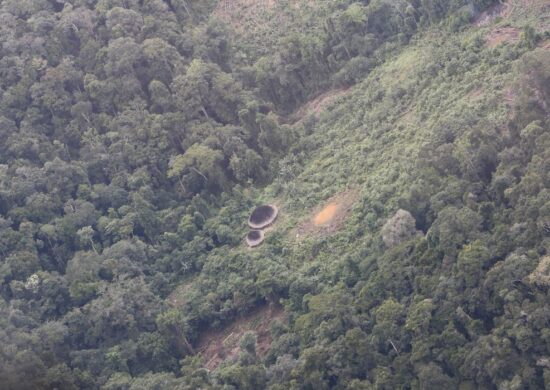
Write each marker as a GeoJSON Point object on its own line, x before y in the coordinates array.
{"type": "Point", "coordinates": [529, 37]}
{"type": "Point", "coordinates": [202, 161]}
{"type": "Point", "coordinates": [137, 136]}
{"type": "Point", "coordinates": [471, 261]}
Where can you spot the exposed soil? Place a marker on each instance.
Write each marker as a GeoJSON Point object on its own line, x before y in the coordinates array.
{"type": "Point", "coordinates": [215, 346]}
{"type": "Point", "coordinates": [490, 14]}
{"type": "Point", "coordinates": [509, 10]}
{"type": "Point", "coordinates": [502, 35]}
{"type": "Point", "coordinates": [326, 215]}
{"type": "Point", "coordinates": [330, 216]}
{"type": "Point", "coordinates": [318, 104]}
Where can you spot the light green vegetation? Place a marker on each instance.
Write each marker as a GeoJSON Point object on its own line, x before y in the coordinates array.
{"type": "Point", "coordinates": [140, 135]}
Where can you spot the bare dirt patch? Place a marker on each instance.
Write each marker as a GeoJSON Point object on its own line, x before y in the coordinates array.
{"type": "Point", "coordinates": [318, 104]}
{"type": "Point", "coordinates": [215, 346]}
{"type": "Point", "coordinates": [326, 215]}
{"type": "Point", "coordinates": [502, 35]}
{"type": "Point", "coordinates": [489, 15]}
{"type": "Point", "coordinates": [330, 216]}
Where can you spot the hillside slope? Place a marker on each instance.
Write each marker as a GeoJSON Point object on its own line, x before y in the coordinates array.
{"type": "Point", "coordinates": [451, 129]}
{"type": "Point", "coordinates": [406, 145]}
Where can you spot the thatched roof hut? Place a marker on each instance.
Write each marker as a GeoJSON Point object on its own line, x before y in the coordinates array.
{"type": "Point", "coordinates": [263, 216]}
{"type": "Point", "coordinates": [254, 238]}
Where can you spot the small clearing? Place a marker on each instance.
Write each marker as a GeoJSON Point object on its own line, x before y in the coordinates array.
{"type": "Point", "coordinates": [522, 8]}
{"type": "Point", "coordinates": [215, 346]}
{"type": "Point", "coordinates": [329, 217]}
{"type": "Point", "coordinates": [489, 15]}
{"type": "Point", "coordinates": [502, 35]}
{"type": "Point", "coordinates": [318, 104]}
{"type": "Point", "coordinates": [326, 215]}
{"type": "Point", "coordinates": [512, 10]}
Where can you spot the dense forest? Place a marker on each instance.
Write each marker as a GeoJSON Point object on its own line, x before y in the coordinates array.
{"type": "Point", "coordinates": [136, 136]}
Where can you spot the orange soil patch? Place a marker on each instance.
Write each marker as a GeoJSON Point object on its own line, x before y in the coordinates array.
{"type": "Point", "coordinates": [326, 215]}
{"type": "Point", "coordinates": [502, 35]}
{"type": "Point", "coordinates": [216, 346]}
{"type": "Point", "coordinates": [330, 217]}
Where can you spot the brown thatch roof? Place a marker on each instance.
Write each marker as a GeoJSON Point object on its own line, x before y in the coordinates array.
{"type": "Point", "coordinates": [254, 238]}
{"type": "Point", "coordinates": [263, 216]}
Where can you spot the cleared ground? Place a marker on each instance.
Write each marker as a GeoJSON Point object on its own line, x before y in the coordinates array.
{"type": "Point", "coordinates": [330, 216]}
{"type": "Point", "coordinates": [215, 346]}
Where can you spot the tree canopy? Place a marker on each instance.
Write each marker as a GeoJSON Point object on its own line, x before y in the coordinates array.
{"type": "Point", "coordinates": [138, 136]}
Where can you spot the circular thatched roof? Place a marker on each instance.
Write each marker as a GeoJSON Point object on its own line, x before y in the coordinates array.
{"type": "Point", "coordinates": [254, 238]}
{"type": "Point", "coordinates": [263, 216]}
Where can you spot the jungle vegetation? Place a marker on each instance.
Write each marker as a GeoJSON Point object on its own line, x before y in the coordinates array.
{"type": "Point", "coordinates": [136, 136]}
